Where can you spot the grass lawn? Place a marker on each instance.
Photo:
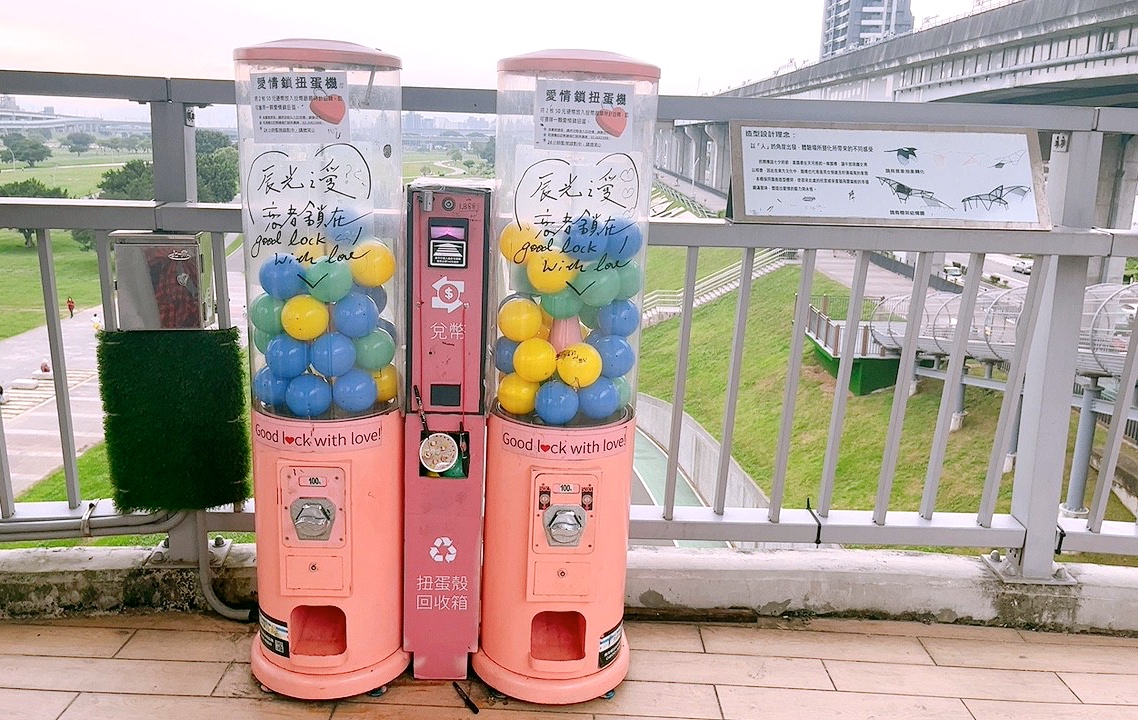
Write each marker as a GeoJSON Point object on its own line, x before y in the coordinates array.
{"type": "Point", "coordinates": [867, 417]}
{"type": "Point", "coordinates": [414, 162]}
{"type": "Point", "coordinates": [95, 481]}
{"type": "Point", "coordinates": [668, 265]}
{"type": "Point", "coordinates": [79, 175]}
{"type": "Point", "coordinates": [21, 294]}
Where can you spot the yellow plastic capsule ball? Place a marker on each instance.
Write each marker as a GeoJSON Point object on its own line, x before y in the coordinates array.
{"type": "Point", "coordinates": [518, 242]}
{"type": "Point", "coordinates": [386, 383]}
{"type": "Point", "coordinates": [552, 271]}
{"type": "Point", "coordinates": [517, 395]}
{"type": "Point", "coordinates": [304, 317]}
{"type": "Point", "coordinates": [579, 365]}
{"type": "Point", "coordinates": [535, 360]}
{"type": "Point", "coordinates": [519, 319]}
{"type": "Point", "coordinates": [372, 263]}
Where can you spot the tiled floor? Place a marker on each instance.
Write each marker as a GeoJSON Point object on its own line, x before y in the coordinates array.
{"type": "Point", "coordinates": [185, 667]}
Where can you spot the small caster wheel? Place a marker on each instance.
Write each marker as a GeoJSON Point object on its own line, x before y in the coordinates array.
{"type": "Point", "coordinates": [265, 689]}
{"type": "Point", "coordinates": [378, 692]}
{"type": "Point", "coordinates": [495, 694]}
{"type": "Point", "coordinates": [609, 695]}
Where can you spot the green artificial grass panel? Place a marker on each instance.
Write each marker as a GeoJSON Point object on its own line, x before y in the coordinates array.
{"type": "Point", "coordinates": [177, 431]}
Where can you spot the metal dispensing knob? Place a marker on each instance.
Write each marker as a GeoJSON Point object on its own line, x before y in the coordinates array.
{"type": "Point", "coordinates": [312, 519]}
{"type": "Point", "coordinates": [564, 525]}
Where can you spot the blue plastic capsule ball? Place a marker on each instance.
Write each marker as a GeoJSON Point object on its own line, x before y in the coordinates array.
{"type": "Point", "coordinates": [287, 356]}
{"type": "Point", "coordinates": [620, 317]}
{"type": "Point", "coordinates": [355, 315]}
{"type": "Point", "coordinates": [585, 238]}
{"type": "Point", "coordinates": [626, 242]}
{"type": "Point", "coordinates": [504, 349]}
{"type": "Point", "coordinates": [377, 293]}
{"type": "Point", "coordinates": [355, 390]}
{"type": "Point", "coordinates": [556, 403]}
{"type": "Point", "coordinates": [333, 354]}
{"type": "Point", "coordinates": [269, 388]}
{"type": "Point", "coordinates": [599, 400]}
{"type": "Point", "coordinates": [308, 395]}
{"type": "Point", "coordinates": [282, 276]}
{"type": "Point", "coordinates": [617, 357]}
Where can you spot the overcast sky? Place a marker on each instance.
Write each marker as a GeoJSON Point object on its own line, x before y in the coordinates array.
{"type": "Point", "coordinates": [444, 43]}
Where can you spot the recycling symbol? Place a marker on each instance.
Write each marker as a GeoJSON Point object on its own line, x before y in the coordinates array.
{"type": "Point", "coordinates": [443, 549]}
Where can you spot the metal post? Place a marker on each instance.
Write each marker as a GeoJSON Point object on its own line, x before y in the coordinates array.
{"type": "Point", "coordinates": [672, 472]}
{"type": "Point", "coordinates": [1013, 445]}
{"type": "Point", "coordinates": [175, 159]}
{"type": "Point", "coordinates": [1081, 461]}
{"type": "Point", "coordinates": [959, 413]}
{"type": "Point", "coordinates": [58, 367]}
{"type": "Point", "coordinates": [1072, 189]}
{"type": "Point", "coordinates": [7, 499]}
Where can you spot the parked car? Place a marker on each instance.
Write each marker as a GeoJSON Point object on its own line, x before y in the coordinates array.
{"type": "Point", "coordinates": [1022, 267]}
{"type": "Point", "coordinates": [952, 271]}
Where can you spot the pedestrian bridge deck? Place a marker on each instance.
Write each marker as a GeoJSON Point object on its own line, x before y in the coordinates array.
{"type": "Point", "coordinates": [139, 667]}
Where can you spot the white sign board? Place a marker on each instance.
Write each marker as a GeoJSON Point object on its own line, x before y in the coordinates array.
{"type": "Point", "coordinates": [887, 175]}
{"type": "Point", "coordinates": [578, 116]}
{"type": "Point", "coordinates": [300, 107]}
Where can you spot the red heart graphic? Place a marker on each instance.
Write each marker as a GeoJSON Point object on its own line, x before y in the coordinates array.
{"type": "Point", "coordinates": [330, 108]}
{"type": "Point", "coordinates": [289, 440]}
{"type": "Point", "coordinates": [545, 448]}
{"type": "Point", "coordinates": [613, 121]}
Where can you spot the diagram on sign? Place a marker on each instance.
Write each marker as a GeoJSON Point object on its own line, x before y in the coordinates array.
{"type": "Point", "coordinates": [903, 192]}
{"type": "Point", "coordinates": [1012, 159]}
{"type": "Point", "coordinates": [997, 197]}
{"type": "Point", "coordinates": [904, 154]}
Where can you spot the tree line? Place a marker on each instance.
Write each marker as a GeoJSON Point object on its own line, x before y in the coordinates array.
{"type": "Point", "coordinates": [217, 173]}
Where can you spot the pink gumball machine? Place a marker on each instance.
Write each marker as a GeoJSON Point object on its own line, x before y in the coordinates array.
{"type": "Point", "coordinates": [574, 157]}
{"type": "Point", "coordinates": [321, 195]}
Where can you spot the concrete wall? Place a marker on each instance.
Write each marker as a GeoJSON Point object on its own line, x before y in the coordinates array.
{"type": "Point", "coordinates": [698, 454]}
{"type": "Point", "coordinates": [662, 582]}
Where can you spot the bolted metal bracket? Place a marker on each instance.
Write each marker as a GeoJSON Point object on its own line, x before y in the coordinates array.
{"type": "Point", "coordinates": [1006, 568]}
{"type": "Point", "coordinates": [219, 548]}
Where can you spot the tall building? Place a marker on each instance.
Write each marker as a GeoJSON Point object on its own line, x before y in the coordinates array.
{"type": "Point", "coordinates": [849, 23]}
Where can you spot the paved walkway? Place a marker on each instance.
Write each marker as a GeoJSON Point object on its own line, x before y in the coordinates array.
{"type": "Point", "coordinates": [140, 667]}
{"type": "Point", "coordinates": [30, 421]}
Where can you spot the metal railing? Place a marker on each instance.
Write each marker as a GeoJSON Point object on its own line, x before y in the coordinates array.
{"type": "Point", "coordinates": [827, 331]}
{"type": "Point", "coordinates": [1042, 366]}
{"type": "Point", "coordinates": [660, 305]}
